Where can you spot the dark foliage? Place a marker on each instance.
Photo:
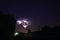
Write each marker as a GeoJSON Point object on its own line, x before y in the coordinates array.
{"type": "Point", "coordinates": [7, 26]}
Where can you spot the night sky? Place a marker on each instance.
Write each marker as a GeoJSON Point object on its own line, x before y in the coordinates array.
{"type": "Point", "coordinates": [41, 12]}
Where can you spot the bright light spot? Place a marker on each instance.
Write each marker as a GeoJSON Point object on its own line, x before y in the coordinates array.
{"type": "Point", "coordinates": [19, 22]}
{"type": "Point", "coordinates": [15, 34]}
{"type": "Point", "coordinates": [24, 21]}
{"type": "Point", "coordinates": [24, 26]}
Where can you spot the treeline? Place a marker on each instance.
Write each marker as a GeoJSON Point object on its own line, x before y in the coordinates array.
{"type": "Point", "coordinates": [7, 25]}
{"type": "Point", "coordinates": [47, 33]}
{"type": "Point", "coordinates": [7, 28]}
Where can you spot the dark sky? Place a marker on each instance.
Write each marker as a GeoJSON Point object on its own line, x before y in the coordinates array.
{"type": "Point", "coordinates": [42, 12]}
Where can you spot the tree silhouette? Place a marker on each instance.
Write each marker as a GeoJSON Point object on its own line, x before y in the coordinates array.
{"type": "Point", "coordinates": [7, 26]}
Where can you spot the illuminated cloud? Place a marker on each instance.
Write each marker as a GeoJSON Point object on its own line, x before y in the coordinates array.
{"type": "Point", "coordinates": [25, 26]}
{"type": "Point", "coordinates": [19, 22]}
